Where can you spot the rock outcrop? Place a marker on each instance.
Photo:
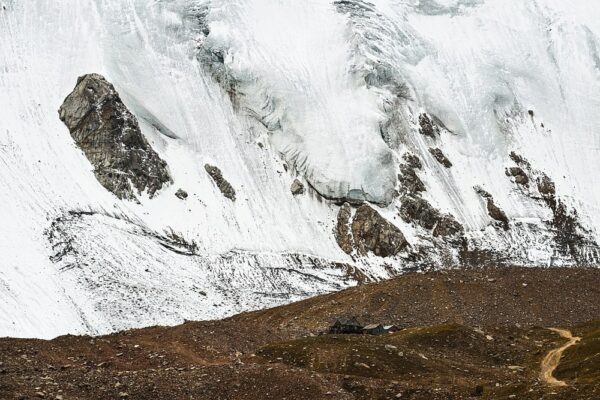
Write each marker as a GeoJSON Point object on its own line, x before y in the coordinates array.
{"type": "Point", "coordinates": [368, 232]}
{"type": "Point", "coordinates": [493, 210]}
{"type": "Point", "coordinates": [297, 187]}
{"type": "Point", "coordinates": [223, 185]}
{"type": "Point", "coordinates": [447, 226]}
{"type": "Point", "coordinates": [343, 233]}
{"type": "Point", "coordinates": [110, 137]}
{"type": "Point", "coordinates": [440, 157]}
{"type": "Point", "coordinates": [415, 209]}
{"type": "Point", "coordinates": [181, 194]}
{"type": "Point", "coordinates": [409, 180]}
{"type": "Point", "coordinates": [571, 238]}
{"type": "Point", "coordinates": [518, 174]}
{"type": "Point", "coordinates": [427, 127]}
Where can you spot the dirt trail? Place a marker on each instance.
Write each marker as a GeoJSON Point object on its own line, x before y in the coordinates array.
{"type": "Point", "coordinates": [550, 362]}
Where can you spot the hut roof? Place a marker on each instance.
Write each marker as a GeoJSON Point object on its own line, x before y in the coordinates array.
{"type": "Point", "coordinates": [349, 321]}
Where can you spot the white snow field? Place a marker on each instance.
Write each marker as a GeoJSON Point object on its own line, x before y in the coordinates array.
{"type": "Point", "coordinates": [329, 92]}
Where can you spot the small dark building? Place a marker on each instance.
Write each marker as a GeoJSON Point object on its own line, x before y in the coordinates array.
{"type": "Point", "coordinates": [373, 329]}
{"type": "Point", "coordinates": [350, 325]}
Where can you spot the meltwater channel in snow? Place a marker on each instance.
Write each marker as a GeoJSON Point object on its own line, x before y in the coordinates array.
{"type": "Point", "coordinates": [329, 92]}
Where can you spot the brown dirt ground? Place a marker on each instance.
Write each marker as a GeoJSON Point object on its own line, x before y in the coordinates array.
{"type": "Point", "coordinates": [470, 334]}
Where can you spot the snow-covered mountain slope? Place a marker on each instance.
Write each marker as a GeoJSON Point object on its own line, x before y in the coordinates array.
{"type": "Point", "coordinates": [471, 125]}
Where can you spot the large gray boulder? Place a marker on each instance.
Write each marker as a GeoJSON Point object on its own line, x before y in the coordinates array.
{"type": "Point", "coordinates": [110, 137]}
{"type": "Point", "coordinates": [368, 232]}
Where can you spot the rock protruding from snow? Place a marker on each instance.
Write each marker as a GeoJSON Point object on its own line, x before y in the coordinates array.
{"type": "Point", "coordinates": [518, 174]}
{"type": "Point", "coordinates": [427, 127]}
{"type": "Point", "coordinates": [417, 210]}
{"type": "Point", "coordinates": [493, 210]}
{"type": "Point", "coordinates": [373, 233]}
{"type": "Point", "coordinates": [224, 186]}
{"type": "Point", "coordinates": [297, 187]}
{"type": "Point", "coordinates": [181, 194]}
{"type": "Point", "coordinates": [440, 157]}
{"type": "Point", "coordinates": [369, 232]}
{"type": "Point", "coordinates": [343, 234]}
{"type": "Point", "coordinates": [410, 183]}
{"type": "Point", "coordinates": [571, 238]}
{"type": "Point", "coordinates": [110, 137]}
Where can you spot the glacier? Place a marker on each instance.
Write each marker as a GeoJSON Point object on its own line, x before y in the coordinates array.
{"type": "Point", "coordinates": [329, 92]}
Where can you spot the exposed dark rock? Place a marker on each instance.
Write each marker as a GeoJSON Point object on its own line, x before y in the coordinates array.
{"type": "Point", "coordinates": [297, 187]}
{"type": "Point", "coordinates": [181, 194]}
{"type": "Point", "coordinates": [546, 187]}
{"type": "Point", "coordinates": [427, 127]}
{"type": "Point", "coordinates": [440, 157]}
{"type": "Point", "coordinates": [480, 191]}
{"type": "Point", "coordinates": [571, 238]}
{"type": "Point", "coordinates": [373, 233]}
{"type": "Point", "coordinates": [496, 213]}
{"type": "Point", "coordinates": [367, 232]}
{"type": "Point", "coordinates": [447, 226]}
{"type": "Point", "coordinates": [412, 161]}
{"type": "Point", "coordinates": [570, 235]}
{"type": "Point", "coordinates": [493, 210]}
{"type": "Point", "coordinates": [224, 186]}
{"type": "Point", "coordinates": [416, 209]}
{"type": "Point", "coordinates": [519, 160]}
{"type": "Point", "coordinates": [343, 235]}
{"type": "Point", "coordinates": [520, 176]}
{"type": "Point", "coordinates": [111, 139]}
{"type": "Point", "coordinates": [409, 180]}
{"type": "Point", "coordinates": [410, 183]}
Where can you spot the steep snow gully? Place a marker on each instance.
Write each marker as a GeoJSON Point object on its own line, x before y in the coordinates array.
{"type": "Point", "coordinates": [470, 126]}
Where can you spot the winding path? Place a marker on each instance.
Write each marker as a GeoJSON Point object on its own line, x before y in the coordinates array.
{"type": "Point", "coordinates": [550, 362]}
